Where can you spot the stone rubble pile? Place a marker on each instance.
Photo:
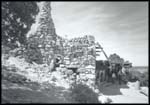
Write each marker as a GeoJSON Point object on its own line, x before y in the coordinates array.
{"type": "Point", "coordinates": [86, 76]}
{"type": "Point", "coordinates": [61, 77]}
{"type": "Point", "coordinates": [35, 72]}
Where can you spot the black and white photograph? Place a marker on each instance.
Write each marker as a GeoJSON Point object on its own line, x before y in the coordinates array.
{"type": "Point", "coordinates": [74, 52]}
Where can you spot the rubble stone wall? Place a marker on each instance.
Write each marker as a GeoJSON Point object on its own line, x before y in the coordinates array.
{"type": "Point", "coordinates": [45, 35]}
{"type": "Point", "coordinates": [81, 50]}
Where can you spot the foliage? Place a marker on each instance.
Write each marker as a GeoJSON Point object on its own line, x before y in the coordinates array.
{"type": "Point", "coordinates": [17, 18]}
{"type": "Point", "coordinates": [142, 77]}
{"type": "Point", "coordinates": [81, 93]}
{"type": "Point", "coordinates": [9, 73]}
{"type": "Point", "coordinates": [134, 76]}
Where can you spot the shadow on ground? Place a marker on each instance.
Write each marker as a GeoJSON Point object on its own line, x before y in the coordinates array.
{"type": "Point", "coordinates": [31, 93]}
{"type": "Point", "coordinates": [111, 89]}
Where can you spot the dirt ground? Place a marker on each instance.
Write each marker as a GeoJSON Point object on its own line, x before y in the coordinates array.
{"type": "Point", "coordinates": [122, 93]}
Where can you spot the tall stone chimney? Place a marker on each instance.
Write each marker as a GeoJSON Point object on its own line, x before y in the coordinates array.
{"type": "Point", "coordinates": [45, 34]}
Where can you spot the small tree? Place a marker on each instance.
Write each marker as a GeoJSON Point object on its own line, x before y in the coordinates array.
{"type": "Point", "coordinates": [81, 93]}
{"type": "Point", "coordinates": [17, 18]}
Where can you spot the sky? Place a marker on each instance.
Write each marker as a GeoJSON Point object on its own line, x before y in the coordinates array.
{"type": "Point", "coordinates": [120, 27]}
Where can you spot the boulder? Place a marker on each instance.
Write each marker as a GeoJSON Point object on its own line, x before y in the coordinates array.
{"type": "Point", "coordinates": [81, 70]}
{"type": "Point", "coordinates": [62, 66]}
{"type": "Point", "coordinates": [69, 72]}
{"type": "Point", "coordinates": [103, 99]}
{"type": "Point", "coordinates": [96, 90]}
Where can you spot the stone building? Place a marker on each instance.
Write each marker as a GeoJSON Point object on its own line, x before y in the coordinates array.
{"type": "Point", "coordinates": [80, 49]}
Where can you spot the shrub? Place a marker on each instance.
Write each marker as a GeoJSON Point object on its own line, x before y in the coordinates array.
{"type": "Point", "coordinates": [133, 76]}
{"type": "Point", "coordinates": [17, 18]}
{"type": "Point", "coordinates": [81, 93]}
{"type": "Point", "coordinates": [142, 77]}
{"type": "Point", "coordinates": [17, 78]}
{"type": "Point", "coordinates": [13, 77]}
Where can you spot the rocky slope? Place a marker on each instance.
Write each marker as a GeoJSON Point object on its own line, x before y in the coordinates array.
{"type": "Point", "coordinates": [34, 83]}
{"type": "Point", "coordinates": [26, 83]}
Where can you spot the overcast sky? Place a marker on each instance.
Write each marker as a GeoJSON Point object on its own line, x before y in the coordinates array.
{"type": "Point", "coordinates": [120, 27]}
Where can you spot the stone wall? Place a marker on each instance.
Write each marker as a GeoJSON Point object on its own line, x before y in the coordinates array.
{"type": "Point", "coordinates": [45, 35]}
{"type": "Point", "coordinates": [81, 50]}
